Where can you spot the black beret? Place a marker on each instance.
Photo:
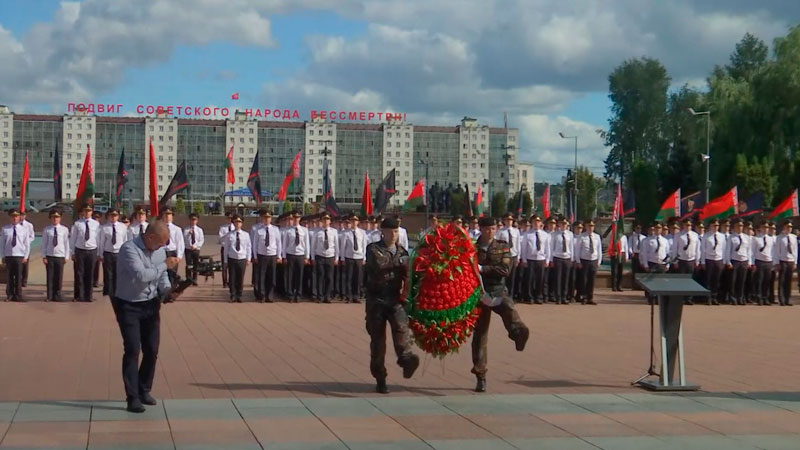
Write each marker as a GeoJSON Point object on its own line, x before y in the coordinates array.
{"type": "Point", "coordinates": [487, 222]}
{"type": "Point", "coordinates": [391, 223]}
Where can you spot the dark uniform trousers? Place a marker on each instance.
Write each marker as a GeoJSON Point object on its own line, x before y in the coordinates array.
{"type": "Point", "coordinates": [255, 281]}
{"type": "Point", "coordinates": [294, 275]}
{"type": "Point", "coordinates": [55, 277]}
{"type": "Point", "coordinates": [192, 260]}
{"type": "Point", "coordinates": [83, 265]}
{"type": "Point", "coordinates": [535, 288]}
{"type": "Point", "coordinates": [224, 267]}
{"type": "Point", "coordinates": [713, 272]}
{"type": "Point", "coordinates": [266, 275]}
{"type": "Point", "coordinates": [737, 283]}
{"type": "Point", "coordinates": [353, 278]}
{"type": "Point", "coordinates": [378, 314]}
{"type": "Point", "coordinates": [561, 268]}
{"type": "Point", "coordinates": [172, 273]}
{"type": "Point", "coordinates": [785, 283]}
{"type": "Point", "coordinates": [139, 324]}
{"type": "Point", "coordinates": [323, 272]}
{"type": "Point", "coordinates": [617, 267]}
{"type": "Point", "coordinates": [236, 268]}
{"type": "Point", "coordinates": [511, 280]}
{"type": "Point", "coordinates": [109, 273]}
{"type": "Point", "coordinates": [96, 273]}
{"type": "Point", "coordinates": [725, 285]}
{"type": "Point", "coordinates": [480, 338]}
{"type": "Point", "coordinates": [25, 274]}
{"type": "Point", "coordinates": [763, 281]}
{"type": "Point", "coordinates": [550, 283]}
{"type": "Point", "coordinates": [635, 268]}
{"type": "Point", "coordinates": [14, 274]}
{"type": "Point", "coordinates": [588, 275]}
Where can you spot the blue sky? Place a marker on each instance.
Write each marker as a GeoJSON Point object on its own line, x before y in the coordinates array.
{"type": "Point", "coordinates": [544, 62]}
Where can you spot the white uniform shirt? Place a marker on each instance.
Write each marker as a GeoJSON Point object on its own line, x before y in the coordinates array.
{"type": "Point", "coordinates": [374, 236]}
{"type": "Point", "coordinates": [686, 246]}
{"type": "Point", "coordinates": [475, 233]}
{"type": "Point", "coordinates": [106, 234]}
{"type": "Point", "coordinates": [622, 249]}
{"type": "Point", "coordinates": [78, 234]}
{"type": "Point", "coordinates": [303, 246]}
{"type": "Point", "coordinates": [762, 247]}
{"type": "Point", "coordinates": [199, 237]}
{"type": "Point", "coordinates": [175, 242]}
{"type": "Point", "coordinates": [512, 236]}
{"type": "Point", "coordinates": [318, 247]}
{"type": "Point", "coordinates": [636, 242]}
{"type": "Point", "coordinates": [31, 231]}
{"type": "Point", "coordinates": [61, 247]}
{"type": "Point", "coordinates": [22, 245]}
{"type": "Point", "coordinates": [529, 251]}
{"type": "Point", "coordinates": [589, 248]}
{"type": "Point", "coordinates": [229, 243]}
{"type": "Point", "coordinates": [654, 249]}
{"type": "Point", "coordinates": [225, 229]}
{"type": "Point", "coordinates": [136, 229]}
{"type": "Point", "coordinates": [739, 248]}
{"type": "Point", "coordinates": [402, 237]}
{"type": "Point", "coordinates": [261, 246]}
{"type": "Point", "coordinates": [785, 249]}
{"type": "Point", "coordinates": [713, 247]}
{"type": "Point", "coordinates": [561, 245]}
{"type": "Point", "coordinates": [348, 248]}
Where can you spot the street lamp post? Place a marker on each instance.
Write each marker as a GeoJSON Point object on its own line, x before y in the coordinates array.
{"type": "Point", "coordinates": [427, 203]}
{"type": "Point", "coordinates": [707, 157]}
{"type": "Point", "coordinates": [574, 174]}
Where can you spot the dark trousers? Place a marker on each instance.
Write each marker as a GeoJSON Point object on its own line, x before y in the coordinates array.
{"type": "Point", "coordinates": [686, 266]}
{"type": "Point", "coordinates": [378, 314]}
{"type": "Point", "coordinates": [635, 268]}
{"type": "Point", "coordinates": [737, 282]}
{"type": "Point", "coordinates": [535, 289]}
{"type": "Point", "coordinates": [236, 269]}
{"type": "Point", "coordinates": [96, 273]}
{"type": "Point", "coordinates": [713, 273]}
{"type": "Point", "coordinates": [480, 338]}
{"type": "Point", "coordinates": [14, 277]}
{"type": "Point", "coordinates": [514, 279]}
{"type": "Point", "coordinates": [139, 324]}
{"type": "Point", "coordinates": [266, 275]}
{"type": "Point", "coordinates": [617, 267]}
{"type": "Point", "coordinates": [192, 259]}
{"type": "Point", "coordinates": [763, 281]}
{"type": "Point", "coordinates": [725, 284]}
{"type": "Point", "coordinates": [354, 278]}
{"type": "Point", "coordinates": [25, 274]}
{"type": "Point", "coordinates": [109, 273]}
{"type": "Point", "coordinates": [785, 282]}
{"type": "Point", "coordinates": [294, 275]}
{"type": "Point", "coordinates": [224, 267]}
{"type": "Point", "coordinates": [55, 277]}
{"type": "Point", "coordinates": [588, 275]}
{"type": "Point", "coordinates": [561, 268]}
{"type": "Point", "coordinates": [83, 265]}
{"type": "Point", "coordinates": [255, 281]}
{"type": "Point", "coordinates": [323, 272]}
{"type": "Point", "coordinates": [309, 281]}
{"type": "Point", "coordinates": [574, 282]}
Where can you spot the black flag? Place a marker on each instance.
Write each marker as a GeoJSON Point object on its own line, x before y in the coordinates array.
{"type": "Point", "coordinates": [467, 202]}
{"type": "Point", "coordinates": [56, 175]}
{"type": "Point", "coordinates": [122, 176]}
{"type": "Point", "coordinates": [327, 197]}
{"type": "Point", "coordinates": [385, 191]}
{"type": "Point", "coordinates": [254, 181]}
{"type": "Point", "coordinates": [179, 182]}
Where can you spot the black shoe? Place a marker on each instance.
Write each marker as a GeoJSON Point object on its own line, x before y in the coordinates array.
{"type": "Point", "coordinates": [381, 387]}
{"type": "Point", "coordinates": [135, 406]}
{"type": "Point", "coordinates": [689, 302]}
{"type": "Point", "coordinates": [521, 338]}
{"type": "Point", "coordinates": [355, 300]}
{"type": "Point", "coordinates": [480, 386]}
{"type": "Point", "coordinates": [410, 365]}
{"type": "Point", "coordinates": [590, 302]}
{"type": "Point", "coordinates": [148, 399]}
{"type": "Point", "coordinates": [538, 302]}
{"type": "Point", "coordinates": [267, 300]}
{"type": "Point", "coordinates": [327, 300]}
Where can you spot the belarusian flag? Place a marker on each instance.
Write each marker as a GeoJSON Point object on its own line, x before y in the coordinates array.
{"type": "Point", "coordinates": [231, 179]}
{"type": "Point", "coordinates": [617, 224]}
{"type": "Point", "coordinates": [366, 198]}
{"type": "Point", "coordinates": [721, 207]}
{"type": "Point", "coordinates": [546, 202]}
{"type": "Point", "coordinates": [26, 175]}
{"type": "Point", "coordinates": [416, 197]}
{"type": "Point", "coordinates": [671, 207]}
{"type": "Point", "coordinates": [85, 195]}
{"type": "Point", "coordinates": [479, 202]}
{"type": "Point", "coordinates": [153, 184]}
{"type": "Point", "coordinates": [294, 172]}
{"type": "Point", "coordinates": [786, 209]}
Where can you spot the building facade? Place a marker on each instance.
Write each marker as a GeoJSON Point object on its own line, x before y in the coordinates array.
{"type": "Point", "coordinates": [468, 154]}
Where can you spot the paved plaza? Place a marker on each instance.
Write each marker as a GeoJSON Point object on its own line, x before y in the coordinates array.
{"type": "Point", "coordinates": [296, 376]}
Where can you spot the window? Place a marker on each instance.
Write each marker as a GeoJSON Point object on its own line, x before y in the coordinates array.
{"type": "Point", "coordinates": [79, 126]}
{"type": "Point", "coordinates": [69, 165]}
{"type": "Point", "coordinates": [241, 140]}
{"type": "Point", "coordinates": [233, 140]}
{"type": "Point", "coordinates": [161, 148]}
{"type": "Point", "coordinates": [69, 135]}
{"type": "Point", "coordinates": [68, 187]}
{"type": "Point", "coordinates": [161, 178]}
{"type": "Point", "coordinates": [161, 128]}
{"type": "Point", "coordinates": [171, 128]}
{"type": "Point", "coordinates": [396, 154]}
{"type": "Point", "coordinates": [388, 144]}
{"type": "Point", "coordinates": [310, 132]}
{"type": "Point", "coordinates": [408, 135]}
{"type": "Point", "coordinates": [311, 142]}
{"type": "Point", "coordinates": [251, 131]}
{"type": "Point", "coordinates": [330, 132]}
{"type": "Point", "coordinates": [161, 138]}
{"type": "Point", "coordinates": [397, 163]}
{"type": "Point", "coordinates": [170, 138]}
{"type": "Point", "coordinates": [405, 173]}
{"type": "Point", "coordinates": [512, 138]}
{"type": "Point", "coordinates": [160, 158]}
{"type": "Point", "coordinates": [151, 127]}
{"type": "Point", "coordinates": [169, 158]}
{"type": "Point", "coordinates": [407, 155]}
{"type": "Point", "coordinates": [241, 130]}
{"type": "Point", "coordinates": [474, 146]}
{"type": "Point", "coordinates": [241, 160]}
{"type": "Point", "coordinates": [251, 140]}
{"type": "Point", "coordinates": [160, 168]}
{"type": "Point", "coordinates": [407, 164]}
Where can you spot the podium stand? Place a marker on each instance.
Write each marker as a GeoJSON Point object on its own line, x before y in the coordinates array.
{"type": "Point", "coordinates": [671, 290]}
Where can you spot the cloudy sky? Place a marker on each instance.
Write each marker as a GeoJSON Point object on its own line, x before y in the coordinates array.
{"type": "Point", "coordinates": [544, 62]}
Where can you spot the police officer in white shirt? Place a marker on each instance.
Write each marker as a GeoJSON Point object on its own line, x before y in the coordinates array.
{"type": "Point", "coordinates": [589, 256]}
{"type": "Point", "coordinates": [296, 253]}
{"type": "Point", "coordinates": [238, 251]}
{"type": "Point", "coordinates": [618, 254]}
{"type": "Point", "coordinates": [267, 250]}
{"type": "Point", "coordinates": [784, 257]}
{"type": "Point", "coordinates": [55, 252]}
{"type": "Point", "coordinates": [474, 229]}
{"type": "Point", "coordinates": [510, 234]}
{"type": "Point", "coordinates": [654, 251]}
{"type": "Point", "coordinates": [712, 253]}
{"type": "Point", "coordinates": [535, 256]}
{"type": "Point", "coordinates": [224, 229]}
{"type": "Point", "coordinates": [352, 253]}
{"type": "Point", "coordinates": [193, 240]}
{"type": "Point", "coordinates": [739, 259]}
{"type": "Point", "coordinates": [761, 247]}
{"type": "Point", "coordinates": [15, 251]}
{"type": "Point", "coordinates": [32, 234]}
{"type": "Point", "coordinates": [373, 233]}
{"type": "Point", "coordinates": [634, 245]}
{"type": "Point", "coordinates": [112, 235]}
{"type": "Point", "coordinates": [83, 242]}
{"type": "Point", "coordinates": [402, 239]}
{"type": "Point", "coordinates": [561, 247]}
{"type": "Point", "coordinates": [139, 224]}
{"type": "Point", "coordinates": [685, 250]}
{"type": "Point", "coordinates": [175, 246]}
{"type": "Point", "coordinates": [325, 255]}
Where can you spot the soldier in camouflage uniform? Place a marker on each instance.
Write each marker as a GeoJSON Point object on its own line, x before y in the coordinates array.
{"type": "Point", "coordinates": [386, 276]}
{"type": "Point", "coordinates": [494, 261]}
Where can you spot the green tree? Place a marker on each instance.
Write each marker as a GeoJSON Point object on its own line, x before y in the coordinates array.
{"type": "Point", "coordinates": [498, 204]}
{"type": "Point", "coordinates": [756, 175]}
{"type": "Point", "coordinates": [198, 207]}
{"type": "Point", "coordinates": [750, 55]}
{"type": "Point", "coordinates": [685, 136]}
{"type": "Point", "coordinates": [642, 182]}
{"type": "Point", "coordinates": [180, 206]}
{"type": "Point", "coordinates": [588, 185]}
{"type": "Point", "coordinates": [457, 203]}
{"type": "Point", "coordinates": [527, 203]}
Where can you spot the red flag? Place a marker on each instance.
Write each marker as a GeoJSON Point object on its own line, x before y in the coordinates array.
{"type": "Point", "coordinates": [294, 172]}
{"type": "Point", "coordinates": [235, 96]}
{"type": "Point", "coordinates": [85, 194]}
{"type": "Point", "coordinates": [721, 207]}
{"type": "Point", "coordinates": [479, 201]}
{"type": "Point", "coordinates": [229, 166]}
{"type": "Point", "coordinates": [546, 202]}
{"type": "Point", "coordinates": [617, 223]}
{"type": "Point", "coordinates": [416, 197]}
{"type": "Point", "coordinates": [153, 184]}
{"type": "Point", "coordinates": [786, 209]}
{"type": "Point", "coordinates": [26, 174]}
{"type": "Point", "coordinates": [366, 197]}
{"type": "Point", "coordinates": [671, 207]}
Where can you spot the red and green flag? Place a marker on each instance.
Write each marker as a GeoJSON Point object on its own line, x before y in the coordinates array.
{"type": "Point", "coordinates": [546, 202]}
{"type": "Point", "coordinates": [479, 202]}
{"type": "Point", "coordinates": [153, 184]}
{"type": "Point", "coordinates": [294, 172]}
{"type": "Point", "coordinates": [416, 198]}
{"type": "Point", "coordinates": [721, 207]}
{"type": "Point", "coordinates": [617, 224]}
{"type": "Point", "coordinates": [231, 177]}
{"type": "Point", "coordinates": [85, 195]}
{"type": "Point", "coordinates": [786, 209]}
{"type": "Point", "coordinates": [366, 197]}
{"type": "Point", "coordinates": [26, 175]}
{"type": "Point", "coordinates": [671, 207]}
